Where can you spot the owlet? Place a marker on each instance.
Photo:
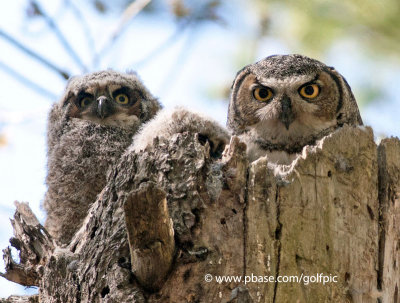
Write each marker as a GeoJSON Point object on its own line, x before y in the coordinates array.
{"type": "Point", "coordinates": [88, 130]}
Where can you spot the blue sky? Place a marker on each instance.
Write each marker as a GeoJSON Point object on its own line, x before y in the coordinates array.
{"type": "Point", "coordinates": [202, 61]}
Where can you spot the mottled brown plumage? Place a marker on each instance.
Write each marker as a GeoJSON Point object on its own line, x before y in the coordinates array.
{"type": "Point", "coordinates": [88, 130]}
{"type": "Point", "coordinates": [284, 102]}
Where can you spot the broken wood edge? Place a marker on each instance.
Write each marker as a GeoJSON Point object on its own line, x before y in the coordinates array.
{"type": "Point", "coordinates": [150, 235]}
{"type": "Point", "coordinates": [34, 244]}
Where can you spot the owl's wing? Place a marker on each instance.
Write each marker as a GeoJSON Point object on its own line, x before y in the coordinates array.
{"type": "Point", "coordinates": [349, 112]}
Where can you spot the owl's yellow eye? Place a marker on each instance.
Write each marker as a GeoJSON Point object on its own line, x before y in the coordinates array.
{"type": "Point", "coordinates": [309, 91]}
{"type": "Point", "coordinates": [122, 99]}
{"type": "Point", "coordinates": [85, 101]}
{"type": "Point", "coordinates": [262, 93]}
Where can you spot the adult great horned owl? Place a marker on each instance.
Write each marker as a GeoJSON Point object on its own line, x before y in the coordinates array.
{"type": "Point", "coordinates": [88, 130]}
{"type": "Point", "coordinates": [284, 102]}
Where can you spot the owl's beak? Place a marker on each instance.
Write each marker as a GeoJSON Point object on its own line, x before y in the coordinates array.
{"type": "Point", "coordinates": [287, 115]}
{"type": "Point", "coordinates": [102, 107]}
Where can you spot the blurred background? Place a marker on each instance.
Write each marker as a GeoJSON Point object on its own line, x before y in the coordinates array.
{"type": "Point", "coordinates": [187, 53]}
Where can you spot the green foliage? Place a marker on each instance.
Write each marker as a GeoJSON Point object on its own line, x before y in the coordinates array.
{"type": "Point", "coordinates": [314, 25]}
{"type": "Point", "coordinates": [311, 26]}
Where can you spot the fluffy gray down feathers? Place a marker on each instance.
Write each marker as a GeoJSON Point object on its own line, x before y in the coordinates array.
{"type": "Point", "coordinates": [169, 122]}
{"type": "Point", "coordinates": [79, 155]}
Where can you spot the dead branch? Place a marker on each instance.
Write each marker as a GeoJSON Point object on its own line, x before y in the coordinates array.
{"type": "Point", "coordinates": [60, 36]}
{"type": "Point", "coordinates": [33, 54]}
{"type": "Point", "coordinates": [150, 235]}
{"type": "Point", "coordinates": [27, 82]}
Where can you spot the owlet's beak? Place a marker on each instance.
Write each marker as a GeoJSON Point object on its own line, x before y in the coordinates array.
{"type": "Point", "coordinates": [287, 116]}
{"type": "Point", "coordinates": [103, 107]}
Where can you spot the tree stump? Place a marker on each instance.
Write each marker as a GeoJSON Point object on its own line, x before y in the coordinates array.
{"type": "Point", "coordinates": [174, 224]}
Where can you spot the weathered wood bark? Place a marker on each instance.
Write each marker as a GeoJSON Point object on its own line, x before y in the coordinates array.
{"type": "Point", "coordinates": [172, 222]}
{"type": "Point", "coordinates": [150, 235]}
{"type": "Point", "coordinates": [389, 219]}
{"type": "Point", "coordinates": [34, 244]}
{"type": "Point", "coordinates": [321, 219]}
{"type": "Point", "coordinates": [20, 299]}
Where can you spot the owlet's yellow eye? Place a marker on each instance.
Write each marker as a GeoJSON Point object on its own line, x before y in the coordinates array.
{"type": "Point", "coordinates": [122, 99]}
{"type": "Point", "coordinates": [309, 91]}
{"type": "Point", "coordinates": [262, 93]}
{"type": "Point", "coordinates": [85, 101]}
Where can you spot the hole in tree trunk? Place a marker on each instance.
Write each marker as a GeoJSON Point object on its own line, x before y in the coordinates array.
{"type": "Point", "coordinates": [105, 291]}
{"type": "Point", "coordinates": [347, 277]}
